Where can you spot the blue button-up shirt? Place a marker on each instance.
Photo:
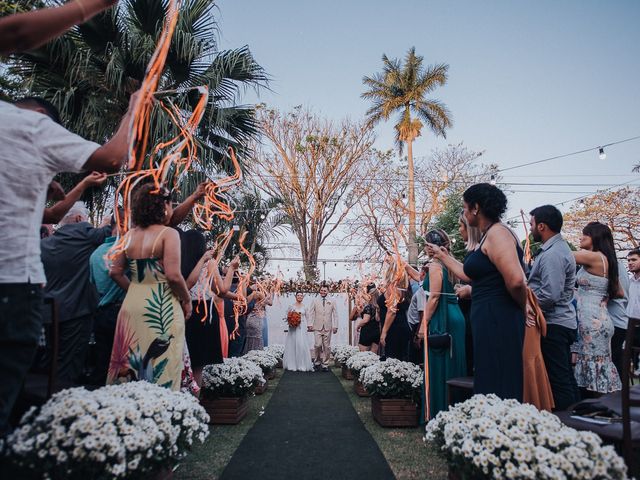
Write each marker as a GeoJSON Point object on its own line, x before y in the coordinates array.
{"type": "Point", "coordinates": [552, 279]}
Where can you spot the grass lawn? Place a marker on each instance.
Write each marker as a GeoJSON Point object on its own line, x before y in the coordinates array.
{"type": "Point", "coordinates": [207, 461]}
{"type": "Point", "coordinates": [403, 448]}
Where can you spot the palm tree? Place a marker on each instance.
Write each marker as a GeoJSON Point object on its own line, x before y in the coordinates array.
{"type": "Point", "coordinates": [90, 72]}
{"type": "Point", "coordinates": [402, 88]}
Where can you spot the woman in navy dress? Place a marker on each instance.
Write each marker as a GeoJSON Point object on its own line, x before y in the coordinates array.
{"type": "Point", "coordinates": [499, 294]}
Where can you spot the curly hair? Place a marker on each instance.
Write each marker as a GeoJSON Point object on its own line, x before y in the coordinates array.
{"type": "Point", "coordinates": [149, 206]}
{"type": "Point", "coordinates": [491, 201]}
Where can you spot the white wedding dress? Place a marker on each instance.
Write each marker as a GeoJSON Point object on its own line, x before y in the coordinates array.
{"type": "Point", "coordinates": [297, 351]}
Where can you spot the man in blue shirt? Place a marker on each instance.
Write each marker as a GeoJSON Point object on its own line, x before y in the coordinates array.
{"type": "Point", "coordinates": [552, 279]}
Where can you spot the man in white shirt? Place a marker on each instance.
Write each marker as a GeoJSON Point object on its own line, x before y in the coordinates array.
{"type": "Point", "coordinates": [33, 149]}
{"type": "Point", "coordinates": [633, 306]}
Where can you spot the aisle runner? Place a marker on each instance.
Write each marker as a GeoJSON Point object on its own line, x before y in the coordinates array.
{"type": "Point", "coordinates": [309, 431]}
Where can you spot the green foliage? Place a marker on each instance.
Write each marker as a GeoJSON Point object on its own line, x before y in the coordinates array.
{"type": "Point", "coordinates": [448, 221]}
{"type": "Point", "coordinates": [402, 88]}
{"type": "Point", "coordinates": [160, 310]}
{"type": "Point", "coordinates": [90, 72]}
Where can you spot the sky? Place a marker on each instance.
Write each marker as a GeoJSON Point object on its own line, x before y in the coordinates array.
{"type": "Point", "coordinates": [527, 80]}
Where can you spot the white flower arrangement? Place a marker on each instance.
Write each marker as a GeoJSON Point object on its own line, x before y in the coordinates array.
{"type": "Point", "coordinates": [276, 350]}
{"type": "Point", "coordinates": [236, 377]}
{"type": "Point", "coordinates": [393, 379]}
{"type": "Point", "coordinates": [361, 360]}
{"type": "Point", "coordinates": [486, 437]}
{"type": "Point", "coordinates": [118, 431]}
{"type": "Point", "coordinates": [341, 353]}
{"type": "Point", "coordinates": [263, 359]}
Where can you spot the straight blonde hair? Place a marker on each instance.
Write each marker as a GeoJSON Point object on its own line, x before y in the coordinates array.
{"type": "Point", "coordinates": [473, 234]}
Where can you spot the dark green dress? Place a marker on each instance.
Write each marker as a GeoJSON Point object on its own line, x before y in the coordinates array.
{"type": "Point", "coordinates": [448, 363]}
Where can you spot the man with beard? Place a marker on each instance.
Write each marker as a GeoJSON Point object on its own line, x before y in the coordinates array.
{"type": "Point", "coordinates": [552, 279]}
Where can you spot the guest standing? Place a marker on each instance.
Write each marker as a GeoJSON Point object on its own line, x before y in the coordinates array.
{"type": "Point", "coordinates": [444, 318]}
{"type": "Point", "coordinates": [617, 308]}
{"type": "Point", "coordinates": [34, 148]}
{"type": "Point", "coordinates": [65, 256]}
{"type": "Point", "coordinates": [396, 335]}
{"type": "Point", "coordinates": [499, 293]}
{"type": "Point", "coordinates": [552, 279]}
{"type": "Point", "coordinates": [369, 325]}
{"type": "Point", "coordinates": [597, 283]}
{"type": "Point", "coordinates": [256, 320]}
{"type": "Point", "coordinates": [149, 341]}
{"type": "Point", "coordinates": [633, 307]}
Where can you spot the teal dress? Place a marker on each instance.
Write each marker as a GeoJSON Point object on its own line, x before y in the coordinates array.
{"type": "Point", "coordinates": [445, 363]}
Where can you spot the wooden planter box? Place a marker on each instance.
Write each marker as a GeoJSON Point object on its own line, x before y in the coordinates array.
{"type": "Point", "coordinates": [226, 411]}
{"type": "Point", "coordinates": [453, 475]}
{"type": "Point", "coordinates": [359, 389]}
{"type": "Point", "coordinates": [260, 389]}
{"type": "Point", "coordinates": [347, 374]}
{"type": "Point", "coordinates": [394, 412]}
{"type": "Point", "coordinates": [270, 374]}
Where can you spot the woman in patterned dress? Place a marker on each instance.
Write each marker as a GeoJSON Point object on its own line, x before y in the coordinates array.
{"type": "Point", "coordinates": [150, 340]}
{"type": "Point", "coordinates": [597, 283]}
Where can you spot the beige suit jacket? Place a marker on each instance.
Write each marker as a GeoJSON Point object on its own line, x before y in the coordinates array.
{"type": "Point", "coordinates": [322, 316]}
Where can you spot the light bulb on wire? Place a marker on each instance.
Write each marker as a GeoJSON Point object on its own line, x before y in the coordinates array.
{"type": "Point", "coordinates": [493, 180]}
{"type": "Point", "coordinates": [601, 154]}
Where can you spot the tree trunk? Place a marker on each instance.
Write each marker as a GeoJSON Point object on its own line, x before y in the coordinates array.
{"type": "Point", "coordinates": [413, 244]}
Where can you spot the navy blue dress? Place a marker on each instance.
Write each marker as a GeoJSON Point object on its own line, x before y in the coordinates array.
{"type": "Point", "coordinates": [498, 325]}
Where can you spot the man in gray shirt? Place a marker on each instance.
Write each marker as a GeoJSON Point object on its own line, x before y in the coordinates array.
{"type": "Point", "coordinates": [65, 256]}
{"type": "Point", "coordinates": [552, 279]}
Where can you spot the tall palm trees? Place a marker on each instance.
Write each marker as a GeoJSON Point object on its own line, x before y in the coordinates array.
{"type": "Point", "coordinates": [402, 88]}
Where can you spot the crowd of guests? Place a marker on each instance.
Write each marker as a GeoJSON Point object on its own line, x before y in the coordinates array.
{"type": "Point", "coordinates": [549, 332]}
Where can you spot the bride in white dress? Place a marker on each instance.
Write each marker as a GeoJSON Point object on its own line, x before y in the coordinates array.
{"type": "Point", "coordinates": [296, 348]}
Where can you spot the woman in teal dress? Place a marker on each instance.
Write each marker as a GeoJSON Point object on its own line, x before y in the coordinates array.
{"type": "Point", "coordinates": [446, 328]}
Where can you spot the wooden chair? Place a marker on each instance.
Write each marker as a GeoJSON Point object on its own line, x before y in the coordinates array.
{"type": "Point", "coordinates": [624, 434]}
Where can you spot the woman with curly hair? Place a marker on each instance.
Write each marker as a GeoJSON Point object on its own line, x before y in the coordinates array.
{"type": "Point", "coordinates": [499, 294]}
{"type": "Point", "coordinates": [150, 333]}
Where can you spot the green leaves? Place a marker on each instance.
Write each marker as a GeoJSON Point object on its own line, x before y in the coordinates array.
{"type": "Point", "coordinates": [160, 309]}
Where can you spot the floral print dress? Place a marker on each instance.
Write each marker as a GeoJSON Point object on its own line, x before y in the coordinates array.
{"type": "Point", "coordinates": [594, 369]}
{"type": "Point", "coordinates": [149, 342]}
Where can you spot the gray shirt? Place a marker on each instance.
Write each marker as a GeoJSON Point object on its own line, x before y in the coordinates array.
{"type": "Point", "coordinates": [617, 307]}
{"type": "Point", "coordinates": [416, 306]}
{"type": "Point", "coordinates": [65, 256]}
{"type": "Point", "coordinates": [552, 279]}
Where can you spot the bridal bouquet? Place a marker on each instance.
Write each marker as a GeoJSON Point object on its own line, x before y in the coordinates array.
{"type": "Point", "coordinates": [118, 431]}
{"type": "Point", "coordinates": [486, 437]}
{"type": "Point", "coordinates": [361, 360]}
{"type": "Point", "coordinates": [236, 377]}
{"type": "Point", "coordinates": [276, 350]}
{"type": "Point", "coordinates": [264, 360]}
{"type": "Point", "coordinates": [393, 379]}
{"type": "Point", "coordinates": [341, 353]}
{"type": "Point", "coordinates": [294, 319]}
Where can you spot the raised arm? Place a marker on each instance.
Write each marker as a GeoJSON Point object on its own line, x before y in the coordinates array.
{"type": "Point", "coordinates": [57, 212]}
{"type": "Point", "coordinates": [182, 210]}
{"type": "Point", "coordinates": [193, 277]}
{"type": "Point", "coordinates": [453, 265]}
{"type": "Point", "coordinates": [27, 31]}
{"type": "Point", "coordinates": [113, 154]}
{"type": "Point", "coordinates": [412, 272]}
{"type": "Point", "coordinates": [388, 321]}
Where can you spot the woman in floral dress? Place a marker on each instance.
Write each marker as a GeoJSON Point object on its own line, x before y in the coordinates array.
{"type": "Point", "coordinates": [597, 283]}
{"type": "Point", "coordinates": [149, 340]}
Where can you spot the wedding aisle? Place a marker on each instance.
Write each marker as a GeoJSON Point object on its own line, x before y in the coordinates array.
{"type": "Point", "coordinates": [309, 431]}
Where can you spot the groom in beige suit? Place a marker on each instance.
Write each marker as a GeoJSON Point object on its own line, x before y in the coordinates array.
{"type": "Point", "coordinates": [323, 321]}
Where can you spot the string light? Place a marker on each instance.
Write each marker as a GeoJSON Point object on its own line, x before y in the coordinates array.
{"type": "Point", "coordinates": [493, 179]}
{"type": "Point", "coordinates": [601, 154]}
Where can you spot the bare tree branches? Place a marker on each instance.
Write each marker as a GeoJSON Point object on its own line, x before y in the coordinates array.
{"type": "Point", "coordinates": [312, 165]}
{"type": "Point", "coordinates": [382, 207]}
{"type": "Point", "coordinates": [618, 209]}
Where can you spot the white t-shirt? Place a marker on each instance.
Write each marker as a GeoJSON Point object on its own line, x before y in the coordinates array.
{"type": "Point", "coordinates": [633, 307]}
{"type": "Point", "coordinates": [33, 149]}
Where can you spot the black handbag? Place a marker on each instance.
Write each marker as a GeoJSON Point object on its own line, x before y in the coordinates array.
{"type": "Point", "coordinates": [439, 341]}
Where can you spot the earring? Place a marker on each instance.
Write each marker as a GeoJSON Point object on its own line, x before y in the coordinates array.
{"type": "Point", "coordinates": [166, 212]}
{"type": "Point", "coordinates": [475, 214]}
